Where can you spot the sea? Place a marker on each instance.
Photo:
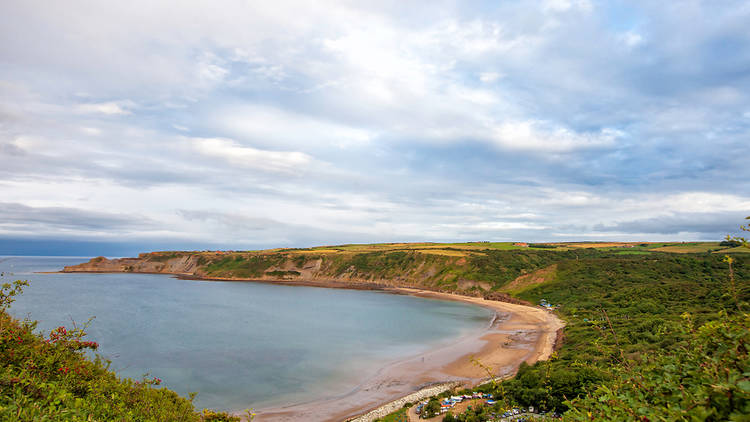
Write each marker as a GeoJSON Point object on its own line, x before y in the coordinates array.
{"type": "Point", "coordinates": [238, 345]}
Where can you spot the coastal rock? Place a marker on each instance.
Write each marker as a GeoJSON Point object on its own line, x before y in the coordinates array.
{"type": "Point", "coordinates": [393, 406]}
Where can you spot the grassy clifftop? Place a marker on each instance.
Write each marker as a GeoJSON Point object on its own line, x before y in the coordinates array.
{"type": "Point", "coordinates": [469, 268]}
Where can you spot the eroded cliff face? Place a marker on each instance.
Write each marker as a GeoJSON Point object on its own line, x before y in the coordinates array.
{"type": "Point", "coordinates": [183, 265]}
{"type": "Point", "coordinates": [469, 273]}
{"type": "Point", "coordinates": [213, 266]}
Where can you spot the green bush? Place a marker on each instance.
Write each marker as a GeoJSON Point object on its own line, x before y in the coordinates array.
{"type": "Point", "coordinates": [707, 378]}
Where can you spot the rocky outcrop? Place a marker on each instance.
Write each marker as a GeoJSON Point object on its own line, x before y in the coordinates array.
{"type": "Point", "coordinates": [183, 264]}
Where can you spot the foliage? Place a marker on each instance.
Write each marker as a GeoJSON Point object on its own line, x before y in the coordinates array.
{"type": "Point", "coordinates": [542, 246]}
{"type": "Point", "coordinates": [282, 274]}
{"type": "Point", "coordinates": [50, 379]}
{"type": "Point", "coordinates": [706, 378]}
{"type": "Point", "coordinates": [495, 267]}
{"type": "Point", "coordinates": [163, 256]}
{"type": "Point", "coordinates": [624, 319]}
{"type": "Point", "coordinates": [397, 416]}
{"type": "Point", "coordinates": [243, 266]}
{"type": "Point", "coordinates": [431, 409]}
{"type": "Point", "coordinates": [9, 291]}
{"type": "Point", "coordinates": [742, 240]}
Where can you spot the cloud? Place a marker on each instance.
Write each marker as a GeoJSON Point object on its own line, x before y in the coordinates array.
{"type": "Point", "coordinates": [374, 121]}
{"type": "Point", "coordinates": [11, 149]}
{"type": "Point", "coordinates": [714, 225]}
{"type": "Point", "coordinates": [267, 125]}
{"type": "Point", "coordinates": [107, 108]}
{"type": "Point", "coordinates": [17, 218]}
{"type": "Point", "coordinates": [565, 5]}
{"type": "Point", "coordinates": [249, 157]}
{"type": "Point", "coordinates": [230, 220]}
{"type": "Point", "coordinates": [538, 136]}
{"type": "Point", "coordinates": [632, 39]}
{"type": "Point", "coordinates": [488, 77]}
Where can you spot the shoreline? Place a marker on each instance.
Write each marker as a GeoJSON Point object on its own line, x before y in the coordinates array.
{"type": "Point", "coordinates": [546, 344]}
{"type": "Point", "coordinates": [517, 333]}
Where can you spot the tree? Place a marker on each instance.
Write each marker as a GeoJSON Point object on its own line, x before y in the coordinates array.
{"type": "Point", "coordinates": [432, 408]}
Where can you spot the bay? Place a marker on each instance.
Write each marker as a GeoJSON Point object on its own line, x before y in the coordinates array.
{"type": "Point", "coordinates": [237, 344]}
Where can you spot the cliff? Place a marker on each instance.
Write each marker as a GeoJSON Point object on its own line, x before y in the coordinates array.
{"type": "Point", "coordinates": [472, 271]}
{"type": "Point", "coordinates": [475, 269]}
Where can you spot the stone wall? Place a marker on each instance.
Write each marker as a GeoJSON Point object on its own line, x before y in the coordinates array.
{"type": "Point", "coordinates": [411, 398]}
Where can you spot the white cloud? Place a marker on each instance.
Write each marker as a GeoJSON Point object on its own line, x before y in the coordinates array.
{"type": "Point", "coordinates": [631, 39]}
{"type": "Point", "coordinates": [543, 137]}
{"type": "Point", "coordinates": [91, 131]}
{"type": "Point", "coordinates": [253, 158]}
{"type": "Point", "coordinates": [700, 202]}
{"type": "Point", "coordinates": [490, 226]}
{"type": "Point", "coordinates": [566, 5]}
{"type": "Point", "coordinates": [488, 77]}
{"type": "Point", "coordinates": [107, 108]}
{"type": "Point", "coordinates": [271, 126]}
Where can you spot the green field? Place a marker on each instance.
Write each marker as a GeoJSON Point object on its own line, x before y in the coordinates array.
{"type": "Point", "coordinates": [397, 416]}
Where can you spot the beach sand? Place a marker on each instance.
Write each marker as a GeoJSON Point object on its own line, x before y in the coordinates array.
{"type": "Point", "coordinates": [518, 334]}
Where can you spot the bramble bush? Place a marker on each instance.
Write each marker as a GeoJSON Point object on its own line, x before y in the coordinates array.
{"type": "Point", "coordinates": [705, 379]}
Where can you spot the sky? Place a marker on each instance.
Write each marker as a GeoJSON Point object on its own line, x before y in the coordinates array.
{"type": "Point", "coordinates": [141, 125]}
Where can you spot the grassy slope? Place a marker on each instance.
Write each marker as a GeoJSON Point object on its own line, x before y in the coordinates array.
{"type": "Point", "coordinates": [443, 269]}
{"type": "Point", "coordinates": [462, 267]}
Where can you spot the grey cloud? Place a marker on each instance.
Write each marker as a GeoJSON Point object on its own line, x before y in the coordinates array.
{"type": "Point", "coordinates": [230, 220]}
{"type": "Point", "coordinates": [407, 79]}
{"type": "Point", "coordinates": [11, 150]}
{"type": "Point", "coordinates": [715, 225]}
{"type": "Point", "coordinates": [247, 232]}
{"type": "Point", "coordinates": [19, 217]}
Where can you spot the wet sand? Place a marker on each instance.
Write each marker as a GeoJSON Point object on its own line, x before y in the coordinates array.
{"type": "Point", "coordinates": [517, 334]}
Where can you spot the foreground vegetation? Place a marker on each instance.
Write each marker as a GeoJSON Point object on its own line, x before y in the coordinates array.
{"type": "Point", "coordinates": [50, 379]}
{"type": "Point", "coordinates": [625, 314]}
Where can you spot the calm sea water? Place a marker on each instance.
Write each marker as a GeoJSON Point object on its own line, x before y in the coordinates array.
{"type": "Point", "coordinates": [237, 344]}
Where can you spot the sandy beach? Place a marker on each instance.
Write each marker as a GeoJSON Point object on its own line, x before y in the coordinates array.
{"type": "Point", "coordinates": [517, 334]}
